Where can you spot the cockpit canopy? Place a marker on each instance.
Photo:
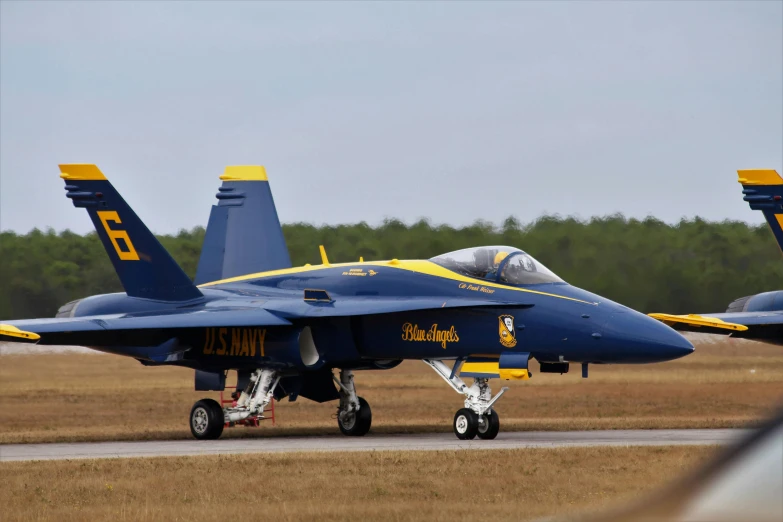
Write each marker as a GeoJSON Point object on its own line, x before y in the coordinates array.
{"type": "Point", "coordinates": [502, 264]}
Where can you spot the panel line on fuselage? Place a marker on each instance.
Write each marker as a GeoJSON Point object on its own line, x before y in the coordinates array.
{"type": "Point", "coordinates": [416, 266]}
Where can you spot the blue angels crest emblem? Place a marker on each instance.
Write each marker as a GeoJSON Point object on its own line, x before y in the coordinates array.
{"type": "Point", "coordinates": [507, 331]}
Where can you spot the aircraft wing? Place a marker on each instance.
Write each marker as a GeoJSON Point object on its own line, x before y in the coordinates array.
{"type": "Point", "coordinates": [319, 304]}
{"type": "Point", "coordinates": [762, 326]}
{"type": "Point", "coordinates": [274, 312]}
{"type": "Point", "coordinates": [59, 330]}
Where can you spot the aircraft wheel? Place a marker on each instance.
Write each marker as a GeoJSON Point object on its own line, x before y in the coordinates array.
{"type": "Point", "coordinates": [206, 420]}
{"type": "Point", "coordinates": [465, 424]}
{"type": "Point", "coordinates": [356, 424]}
{"type": "Point", "coordinates": [489, 429]}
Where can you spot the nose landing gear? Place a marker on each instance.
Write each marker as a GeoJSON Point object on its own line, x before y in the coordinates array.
{"type": "Point", "coordinates": [465, 424]}
{"type": "Point", "coordinates": [477, 418]}
{"type": "Point", "coordinates": [489, 427]}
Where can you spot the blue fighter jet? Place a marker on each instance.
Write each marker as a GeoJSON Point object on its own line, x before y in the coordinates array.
{"type": "Point", "coordinates": [758, 317]}
{"type": "Point", "coordinates": [303, 331]}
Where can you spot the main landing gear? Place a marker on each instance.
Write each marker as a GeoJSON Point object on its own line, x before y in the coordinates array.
{"type": "Point", "coordinates": [354, 415]}
{"type": "Point", "coordinates": [477, 417]}
{"type": "Point", "coordinates": [207, 418]}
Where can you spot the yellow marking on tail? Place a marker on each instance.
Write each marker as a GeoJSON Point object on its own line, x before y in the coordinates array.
{"type": "Point", "coordinates": [759, 177]}
{"type": "Point", "coordinates": [244, 173]}
{"type": "Point", "coordinates": [81, 171]}
{"type": "Point", "coordinates": [107, 216]}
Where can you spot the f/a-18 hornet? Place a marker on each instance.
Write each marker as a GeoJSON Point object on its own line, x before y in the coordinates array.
{"type": "Point", "coordinates": [287, 330]}
{"type": "Point", "coordinates": [760, 316]}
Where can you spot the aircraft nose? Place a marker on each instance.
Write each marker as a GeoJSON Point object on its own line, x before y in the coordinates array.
{"type": "Point", "coordinates": [640, 338]}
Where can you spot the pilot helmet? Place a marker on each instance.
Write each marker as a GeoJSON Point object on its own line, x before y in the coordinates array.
{"type": "Point", "coordinates": [499, 257]}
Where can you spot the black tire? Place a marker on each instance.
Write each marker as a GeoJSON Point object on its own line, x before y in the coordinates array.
{"type": "Point", "coordinates": [358, 423]}
{"type": "Point", "coordinates": [206, 420]}
{"type": "Point", "coordinates": [465, 424]}
{"type": "Point", "coordinates": [489, 429]}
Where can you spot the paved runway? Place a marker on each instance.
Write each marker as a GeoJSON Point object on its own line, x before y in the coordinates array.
{"type": "Point", "coordinates": [426, 442]}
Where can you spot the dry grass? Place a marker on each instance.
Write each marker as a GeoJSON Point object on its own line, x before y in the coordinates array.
{"type": "Point", "coordinates": [71, 397]}
{"type": "Point", "coordinates": [503, 484]}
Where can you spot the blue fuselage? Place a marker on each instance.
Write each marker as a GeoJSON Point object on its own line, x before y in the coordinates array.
{"type": "Point", "coordinates": [387, 311]}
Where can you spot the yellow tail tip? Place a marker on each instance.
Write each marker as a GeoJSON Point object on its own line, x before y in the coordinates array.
{"type": "Point", "coordinates": [759, 177]}
{"type": "Point", "coordinates": [81, 171]}
{"type": "Point", "coordinates": [7, 330]}
{"type": "Point", "coordinates": [244, 173]}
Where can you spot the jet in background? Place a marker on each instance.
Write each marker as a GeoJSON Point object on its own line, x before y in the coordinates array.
{"type": "Point", "coordinates": [760, 316]}
{"type": "Point", "coordinates": [286, 330]}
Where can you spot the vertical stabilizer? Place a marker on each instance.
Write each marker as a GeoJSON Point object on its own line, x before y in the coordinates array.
{"type": "Point", "coordinates": [763, 190]}
{"type": "Point", "coordinates": [244, 235]}
{"type": "Point", "coordinates": [145, 268]}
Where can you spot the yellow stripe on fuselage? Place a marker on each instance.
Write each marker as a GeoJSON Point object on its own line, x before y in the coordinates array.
{"type": "Point", "coordinates": [417, 266]}
{"type": "Point", "coordinates": [480, 367]}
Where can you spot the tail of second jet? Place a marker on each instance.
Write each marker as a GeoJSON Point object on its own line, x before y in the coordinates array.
{"type": "Point", "coordinates": [763, 190]}
{"type": "Point", "coordinates": [145, 268]}
{"type": "Point", "coordinates": [243, 234]}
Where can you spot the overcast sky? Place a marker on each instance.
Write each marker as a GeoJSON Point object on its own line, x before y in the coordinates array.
{"type": "Point", "coordinates": [361, 111]}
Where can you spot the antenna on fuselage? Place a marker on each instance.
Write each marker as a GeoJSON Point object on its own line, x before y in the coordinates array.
{"type": "Point", "coordinates": [324, 259]}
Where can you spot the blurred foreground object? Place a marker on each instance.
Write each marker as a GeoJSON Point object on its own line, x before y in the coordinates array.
{"type": "Point", "coordinates": [743, 483]}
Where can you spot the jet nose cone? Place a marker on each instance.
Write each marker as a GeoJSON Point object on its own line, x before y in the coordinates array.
{"type": "Point", "coordinates": [640, 338]}
{"type": "Point", "coordinates": [670, 344]}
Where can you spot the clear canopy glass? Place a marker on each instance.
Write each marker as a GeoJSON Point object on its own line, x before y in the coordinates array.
{"type": "Point", "coordinates": [501, 264]}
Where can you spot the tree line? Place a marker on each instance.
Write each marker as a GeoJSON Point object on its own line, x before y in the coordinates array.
{"type": "Point", "coordinates": [649, 265]}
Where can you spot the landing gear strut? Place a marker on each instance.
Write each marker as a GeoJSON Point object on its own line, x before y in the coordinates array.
{"type": "Point", "coordinates": [207, 418]}
{"type": "Point", "coordinates": [354, 415]}
{"type": "Point", "coordinates": [477, 417]}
